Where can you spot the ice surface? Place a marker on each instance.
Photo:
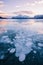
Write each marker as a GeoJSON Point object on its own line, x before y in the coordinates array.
{"type": "Point", "coordinates": [23, 39]}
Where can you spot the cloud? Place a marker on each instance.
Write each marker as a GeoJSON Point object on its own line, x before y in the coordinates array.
{"type": "Point", "coordinates": [3, 14]}
{"type": "Point", "coordinates": [1, 3]}
{"type": "Point", "coordinates": [17, 6]}
{"type": "Point", "coordinates": [39, 2]}
{"type": "Point", "coordinates": [27, 12]}
{"type": "Point", "coordinates": [35, 2]}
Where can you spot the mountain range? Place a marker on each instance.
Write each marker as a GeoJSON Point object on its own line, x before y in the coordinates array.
{"type": "Point", "coordinates": [23, 17]}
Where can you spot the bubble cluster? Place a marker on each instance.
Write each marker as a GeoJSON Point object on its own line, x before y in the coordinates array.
{"type": "Point", "coordinates": [23, 45]}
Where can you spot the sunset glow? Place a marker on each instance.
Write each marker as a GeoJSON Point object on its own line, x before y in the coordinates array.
{"type": "Point", "coordinates": [28, 7]}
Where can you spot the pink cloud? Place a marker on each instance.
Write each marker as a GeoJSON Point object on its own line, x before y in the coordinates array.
{"type": "Point", "coordinates": [3, 14]}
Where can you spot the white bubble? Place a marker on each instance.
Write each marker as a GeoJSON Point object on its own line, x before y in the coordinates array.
{"type": "Point", "coordinates": [2, 57]}
{"type": "Point", "coordinates": [26, 50]}
{"type": "Point", "coordinates": [29, 44]}
{"type": "Point", "coordinates": [12, 50]}
{"type": "Point", "coordinates": [22, 57]}
{"type": "Point", "coordinates": [34, 51]}
{"type": "Point", "coordinates": [40, 44]}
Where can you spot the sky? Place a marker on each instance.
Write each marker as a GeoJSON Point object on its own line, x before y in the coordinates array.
{"type": "Point", "coordinates": [26, 7]}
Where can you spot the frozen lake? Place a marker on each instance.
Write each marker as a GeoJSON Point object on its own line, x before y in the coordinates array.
{"type": "Point", "coordinates": [20, 37]}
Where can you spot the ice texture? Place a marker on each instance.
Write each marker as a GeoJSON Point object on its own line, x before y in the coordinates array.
{"type": "Point", "coordinates": [20, 44]}
{"type": "Point", "coordinates": [20, 39]}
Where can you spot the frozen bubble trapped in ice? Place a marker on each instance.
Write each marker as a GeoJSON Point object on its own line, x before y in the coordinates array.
{"type": "Point", "coordinates": [12, 50]}
{"type": "Point", "coordinates": [22, 57]}
{"type": "Point", "coordinates": [26, 50]}
{"type": "Point", "coordinates": [29, 44]}
{"type": "Point", "coordinates": [40, 44]}
{"type": "Point", "coordinates": [2, 57]}
{"type": "Point", "coordinates": [34, 51]}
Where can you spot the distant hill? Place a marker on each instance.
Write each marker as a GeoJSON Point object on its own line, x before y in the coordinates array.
{"type": "Point", "coordinates": [21, 17]}
{"type": "Point", "coordinates": [27, 17]}
{"type": "Point", "coordinates": [3, 17]}
{"type": "Point", "coordinates": [38, 17]}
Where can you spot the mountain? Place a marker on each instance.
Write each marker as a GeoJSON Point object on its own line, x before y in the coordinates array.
{"type": "Point", "coordinates": [38, 17]}
{"type": "Point", "coordinates": [21, 17]}
{"type": "Point", "coordinates": [3, 17]}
